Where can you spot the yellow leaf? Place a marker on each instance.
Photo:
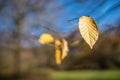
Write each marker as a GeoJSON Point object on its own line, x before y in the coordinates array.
{"type": "Point", "coordinates": [57, 51]}
{"type": "Point", "coordinates": [57, 43]}
{"type": "Point", "coordinates": [58, 56]}
{"type": "Point", "coordinates": [88, 29]}
{"type": "Point", "coordinates": [65, 48]}
{"type": "Point", "coordinates": [46, 38]}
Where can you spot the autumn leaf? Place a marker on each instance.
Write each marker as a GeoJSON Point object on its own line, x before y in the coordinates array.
{"type": "Point", "coordinates": [46, 38]}
{"type": "Point", "coordinates": [89, 30]}
{"type": "Point", "coordinates": [58, 56]}
{"type": "Point", "coordinates": [65, 48]}
{"type": "Point", "coordinates": [57, 51]}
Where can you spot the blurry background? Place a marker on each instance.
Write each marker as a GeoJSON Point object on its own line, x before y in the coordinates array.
{"type": "Point", "coordinates": [22, 56]}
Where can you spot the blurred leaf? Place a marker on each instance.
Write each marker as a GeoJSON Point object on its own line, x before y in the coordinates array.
{"type": "Point", "coordinates": [46, 38]}
{"type": "Point", "coordinates": [65, 48]}
{"type": "Point", "coordinates": [88, 30]}
{"type": "Point", "coordinates": [57, 51]}
{"type": "Point", "coordinates": [58, 56]}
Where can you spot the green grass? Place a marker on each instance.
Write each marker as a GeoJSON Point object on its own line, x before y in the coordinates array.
{"type": "Point", "coordinates": [86, 75]}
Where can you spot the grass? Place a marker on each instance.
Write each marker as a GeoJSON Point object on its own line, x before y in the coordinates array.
{"type": "Point", "coordinates": [86, 75]}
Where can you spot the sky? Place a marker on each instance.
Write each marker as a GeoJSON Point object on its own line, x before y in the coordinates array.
{"type": "Point", "coordinates": [58, 12]}
{"type": "Point", "coordinates": [105, 12]}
